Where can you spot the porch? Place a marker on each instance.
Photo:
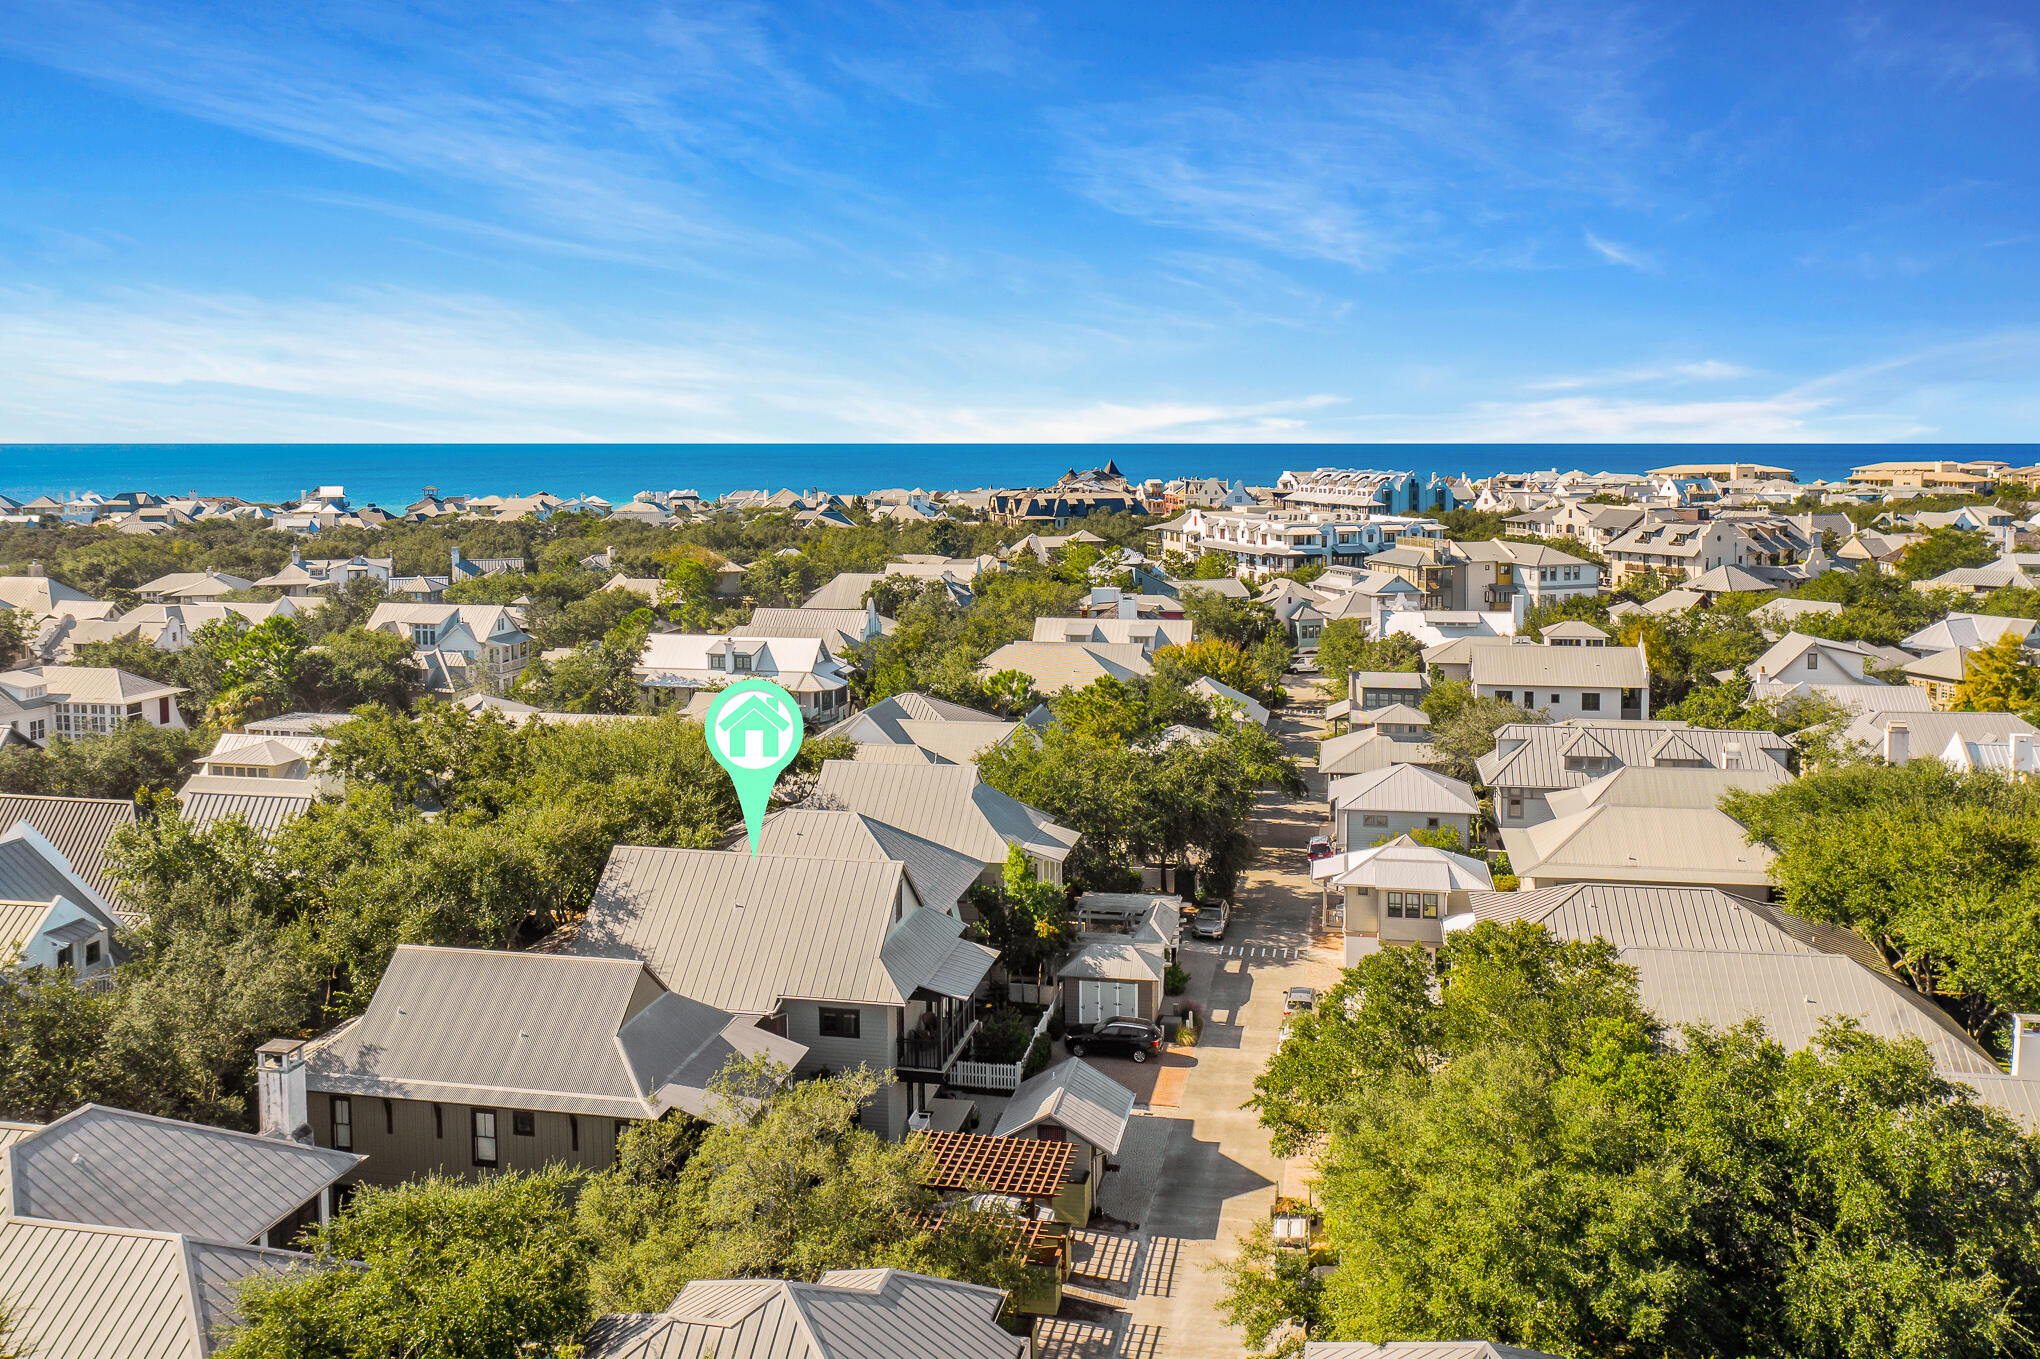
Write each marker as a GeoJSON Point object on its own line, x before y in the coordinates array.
{"type": "Point", "coordinates": [933, 1033]}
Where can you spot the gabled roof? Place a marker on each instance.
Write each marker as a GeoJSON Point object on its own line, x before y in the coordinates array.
{"type": "Point", "coordinates": [837, 628]}
{"type": "Point", "coordinates": [940, 875]}
{"type": "Point", "coordinates": [1402, 862]}
{"type": "Point", "coordinates": [91, 683]}
{"type": "Point", "coordinates": [1966, 630]}
{"type": "Point", "coordinates": [927, 952]}
{"type": "Point", "coordinates": [885, 720]}
{"type": "Point", "coordinates": [1115, 957]}
{"type": "Point", "coordinates": [948, 804]}
{"type": "Point", "coordinates": [118, 1293]}
{"type": "Point", "coordinates": [587, 1035]}
{"type": "Point", "coordinates": [1793, 645]}
{"type": "Point", "coordinates": [1608, 667]}
{"type": "Point", "coordinates": [32, 871]}
{"type": "Point", "coordinates": [77, 827]}
{"type": "Point", "coordinates": [1056, 666]}
{"type": "Point", "coordinates": [115, 1168]}
{"type": "Point", "coordinates": [1675, 747]}
{"type": "Point", "coordinates": [1533, 755]}
{"type": "Point", "coordinates": [1356, 752]}
{"type": "Point", "coordinates": [1574, 627]}
{"type": "Point", "coordinates": [1928, 733]}
{"type": "Point", "coordinates": [1644, 824]}
{"type": "Point", "coordinates": [1726, 579]}
{"type": "Point", "coordinates": [849, 1314]}
{"type": "Point", "coordinates": [1074, 1095]}
{"type": "Point", "coordinates": [745, 933]}
{"type": "Point", "coordinates": [1403, 788]}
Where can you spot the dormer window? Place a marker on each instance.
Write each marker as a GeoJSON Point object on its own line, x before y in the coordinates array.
{"type": "Point", "coordinates": [715, 661]}
{"type": "Point", "coordinates": [743, 661]}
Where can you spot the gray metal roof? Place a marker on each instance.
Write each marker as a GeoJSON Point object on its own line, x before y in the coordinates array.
{"type": "Point", "coordinates": [1357, 752]}
{"type": "Point", "coordinates": [849, 1314]}
{"type": "Point", "coordinates": [1607, 667]}
{"type": "Point", "coordinates": [745, 933]}
{"type": "Point", "coordinates": [10, 1133]}
{"type": "Point", "coordinates": [927, 952]}
{"type": "Point", "coordinates": [1929, 733]}
{"type": "Point", "coordinates": [532, 1031]}
{"type": "Point", "coordinates": [1625, 843]}
{"type": "Point", "coordinates": [941, 875]}
{"type": "Point", "coordinates": [1533, 754]}
{"type": "Point", "coordinates": [88, 1292]}
{"type": "Point", "coordinates": [115, 1168]}
{"type": "Point", "coordinates": [948, 804]}
{"type": "Point", "coordinates": [79, 827]}
{"type": "Point", "coordinates": [1404, 788]}
{"type": "Point", "coordinates": [265, 804]}
{"type": "Point", "coordinates": [26, 874]}
{"type": "Point", "coordinates": [1643, 916]}
{"type": "Point", "coordinates": [881, 721]}
{"type": "Point", "coordinates": [1114, 957]}
{"type": "Point", "coordinates": [1075, 1095]}
{"type": "Point", "coordinates": [957, 742]}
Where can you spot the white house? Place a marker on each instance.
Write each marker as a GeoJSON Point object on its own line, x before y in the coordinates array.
{"type": "Point", "coordinates": [62, 701]}
{"type": "Point", "coordinates": [681, 663]}
{"type": "Point", "coordinates": [1399, 893]}
{"type": "Point", "coordinates": [1565, 681]}
{"type": "Point", "coordinates": [1396, 799]}
{"type": "Point", "coordinates": [49, 916]}
{"type": "Point", "coordinates": [459, 646]}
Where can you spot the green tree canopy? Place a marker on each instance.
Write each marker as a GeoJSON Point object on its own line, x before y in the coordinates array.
{"type": "Point", "coordinates": [1515, 1151]}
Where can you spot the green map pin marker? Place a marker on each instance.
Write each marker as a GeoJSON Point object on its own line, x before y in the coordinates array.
{"type": "Point", "coordinates": [754, 731]}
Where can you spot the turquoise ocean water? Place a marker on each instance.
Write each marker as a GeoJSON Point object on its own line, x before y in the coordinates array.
{"type": "Point", "coordinates": [395, 474]}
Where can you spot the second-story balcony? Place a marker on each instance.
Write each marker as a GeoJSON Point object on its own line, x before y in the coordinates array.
{"type": "Point", "coordinates": [936, 1030]}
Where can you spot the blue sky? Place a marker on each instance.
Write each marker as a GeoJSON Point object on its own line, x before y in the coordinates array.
{"type": "Point", "coordinates": [1452, 221]}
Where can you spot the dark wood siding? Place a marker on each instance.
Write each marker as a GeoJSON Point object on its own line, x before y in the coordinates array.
{"type": "Point", "coordinates": [413, 1151]}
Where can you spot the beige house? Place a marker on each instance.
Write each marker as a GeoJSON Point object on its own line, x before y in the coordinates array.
{"type": "Point", "coordinates": [1076, 1103]}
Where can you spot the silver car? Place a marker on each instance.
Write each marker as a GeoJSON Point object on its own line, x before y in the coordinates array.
{"type": "Point", "coordinates": [1210, 921]}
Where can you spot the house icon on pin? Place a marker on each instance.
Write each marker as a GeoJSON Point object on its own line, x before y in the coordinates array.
{"type": "Point", "coordinates": [753, 729]}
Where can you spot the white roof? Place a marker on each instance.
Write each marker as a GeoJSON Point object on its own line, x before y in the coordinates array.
{"type": "Point", "coordinates": [1402, 862]}
{"type": "Point", "coordinates": [1074, 1095]}
{"type": "Point", "coordinates": [1643, 824]}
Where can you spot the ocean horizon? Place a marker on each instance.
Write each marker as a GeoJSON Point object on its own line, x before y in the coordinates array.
{"type": "Point", "coordinates": [393, 475]}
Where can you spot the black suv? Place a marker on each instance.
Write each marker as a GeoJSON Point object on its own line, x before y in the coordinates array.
{"type": "Point", "coordinates": [1135, 1038]}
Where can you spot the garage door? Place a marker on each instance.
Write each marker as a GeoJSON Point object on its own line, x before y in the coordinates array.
{"type": "Point", "coordinates": [1098, 1001]}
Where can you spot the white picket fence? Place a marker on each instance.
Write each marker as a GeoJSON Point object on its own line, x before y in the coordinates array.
{"type": "Point", "coordinates": [1001, 1078]}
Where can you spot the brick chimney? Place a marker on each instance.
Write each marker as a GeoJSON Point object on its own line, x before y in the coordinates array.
{"type": "Point", "coordinates": [1897, 743]}
{"type": "Point", "coordinates": [280, 1101]}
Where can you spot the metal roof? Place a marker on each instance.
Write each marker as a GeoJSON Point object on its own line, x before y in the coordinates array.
{"type": "Point", "coordinates": [265, 804]}
{"type": "Point", "coordinates": [882, 720]}
{"type": "Point", "coordinates": [1533, 754]}
{"type": "Point", "coordinates": [79, 828]}
{"type": "Point", "coordinates": [948, 804]}
{"type": "Point", "coordinates": [1647, 916]}
{"type": "Point", "coordinates": [115, 1168]}
{"type": "Point", "coordinates": [848, 1314]}
{"type": "Point", "coordinates": [1403, 863]}
{"type": "Point", "coordinates": [1359, 751]}
{"type": "Point", "coordinates": [745, 933]}
{"type": "Point", "coordinates": [1074, 1095]}
{"type": "Point", "coordinates": [941, 875]}
{"type": "Point", "coordinates": [10, 1133]}
{"type": "Point", "coordinates": [927, 952]}
{"type": "Point", "coordinates": [1056, 666]}
{"type": "Point", "coordinates": [1640, 844]}
{"type": "Point", "coordinates": [89, 1292]}
{"type": "Point", "coordinates": [1114, 957]}
{"type": "Point", "coordinates": [1589, 667]}
{"type": "Point", "coordinates": [1403, 788]}
{"type": "Point", "coordinates": [533, 1031]}
{"type": "Point", "coordinates": [957, 742]}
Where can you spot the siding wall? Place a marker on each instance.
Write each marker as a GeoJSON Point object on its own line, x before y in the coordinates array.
{"type": "Point", "coordinates": [875, 1046]}
{"type": "Point", "coordinates": [1354, 834]}
{"type": "Point", "coordinates": [413, 1152]}
{"type": "Point", "coordinates": [1567, 701]}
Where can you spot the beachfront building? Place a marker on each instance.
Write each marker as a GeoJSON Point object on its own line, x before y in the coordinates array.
{"type": "Point", "coordinates": [1264, 543]}
{"type": "Point", "coordinates": [1964, 478]}
{"type": "Point", "coordinates": [1339, 490]}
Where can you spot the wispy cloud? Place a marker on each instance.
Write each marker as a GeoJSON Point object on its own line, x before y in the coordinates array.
{"type": "Point", "coordinates": [1367, 161]}
{"type": "Point", "coordinates": [1947, 44]}
{"type": "Point", "coordinates": [1629, 257]}
{"type": "Point", "coordinates": [1704, 370]}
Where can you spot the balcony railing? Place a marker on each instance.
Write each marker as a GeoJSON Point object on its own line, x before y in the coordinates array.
{"type": "Point", "coordinates": [935, 1047]}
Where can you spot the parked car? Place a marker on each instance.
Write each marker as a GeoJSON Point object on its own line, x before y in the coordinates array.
{"type": "Point", "coordinates": [1211, 920]}
{"type": "Point", "coordinates": [1134, 1038]}
{"type": "Point", "coordinates": [1320, 848]}
{"type": "Point", "coordinates": [1299, 1000]}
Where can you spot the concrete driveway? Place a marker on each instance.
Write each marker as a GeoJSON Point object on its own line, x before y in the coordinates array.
{"type": "Point", "coordinates": [1194, 1176]}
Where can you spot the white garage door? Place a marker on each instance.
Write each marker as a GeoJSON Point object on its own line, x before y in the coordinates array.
{"type": "Point", "coordinates": [1098, 1001]}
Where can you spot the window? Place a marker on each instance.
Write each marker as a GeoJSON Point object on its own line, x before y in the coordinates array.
{"type": "Point", "coordinates": [389, 1117]}
{"type": "Point", "coordinates": [1813, 660]}
{"type": "Point", "coordinates": [743, 661]}
{"type": "Point", "coordinates": [64, 956]}
{"type": "Point", "coordinates": [438, 1123]}
{"type": "Point", "coordinates": [1431, 823]}
{"type": "Point", "coordinates": [1430, 905]}
{"type": "Point", "coordinates": [1506, 695]}
{"type": "Point", "coordinates": [423, 634]}
{"type": "Point", "coordinates": [36, 729]}
{"type": "Point", "coordinates": [92, 945]}
{"type": "Point", "coordinates": [1395, 905]}
{"type": "Point", "coordinates": [1374, 819]}
{"type": "Point", "coordinates": [343, 1123]}
{"type": "Point", "coordinates": [1558, 698]}
{"type": "Point", "coordinates": [715, 662]}
{"type": "Point", "coordinates": [1515, 806]}
{"type": "Point", "coordinates": [1590, 703]}
{"type": "Point", "coordinates": [838, 1023]}
{"type": "Point", "coordinates": [485, 1137]}
{"type": "Point", "coordinates": [523, 1123]}
{"type": "Point", "coordinates": [573, 1133]}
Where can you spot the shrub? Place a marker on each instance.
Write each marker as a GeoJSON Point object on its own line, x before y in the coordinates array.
{"type": "Point", "coordinates": [1175, 981]}
{"type": "Point", "coordinates": [1002, 1036]}
{"type": "Point", "coordinates": [1038, 1054]}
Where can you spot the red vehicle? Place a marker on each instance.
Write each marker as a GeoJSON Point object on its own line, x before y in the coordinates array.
{"type": "Point", "coordinates": [1320, 848]}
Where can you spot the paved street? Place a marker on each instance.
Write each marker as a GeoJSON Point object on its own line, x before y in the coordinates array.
{"type": "Point", "coordinates": [1197, 1172]}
